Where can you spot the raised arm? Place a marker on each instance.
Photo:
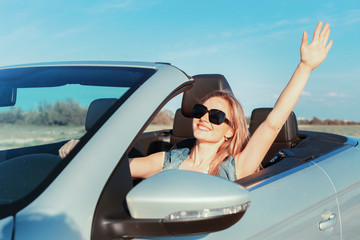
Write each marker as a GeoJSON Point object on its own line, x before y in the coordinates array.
{"type": "Point", "coordinates": [312, 55]}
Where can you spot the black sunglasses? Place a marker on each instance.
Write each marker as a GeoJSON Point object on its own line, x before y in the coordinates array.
{"type": "Point", "coordinates": [215, 116]}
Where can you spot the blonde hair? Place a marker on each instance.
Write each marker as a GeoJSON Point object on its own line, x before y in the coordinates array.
{"type": "Point", "coordinates": [234, 145]}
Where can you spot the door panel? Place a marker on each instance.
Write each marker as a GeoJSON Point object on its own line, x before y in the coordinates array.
{"type": "Point", "coordinates": [291, 208]}
{"type": "Point", "coordinates": [287, 206]}
{"type": "Point", "coordinates": [343, 170]}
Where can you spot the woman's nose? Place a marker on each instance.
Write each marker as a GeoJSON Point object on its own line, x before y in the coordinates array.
{"type": "Point", "coordinates": [205, 117]}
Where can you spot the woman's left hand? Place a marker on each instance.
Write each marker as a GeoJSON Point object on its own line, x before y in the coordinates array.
{"type": "Point", "coordinates": [313, 54]}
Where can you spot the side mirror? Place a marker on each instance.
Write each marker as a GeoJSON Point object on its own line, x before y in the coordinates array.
{"type": "Point", "coordinates": [176, 203]}
{"type": "Point", "coordinates": [7, 96]}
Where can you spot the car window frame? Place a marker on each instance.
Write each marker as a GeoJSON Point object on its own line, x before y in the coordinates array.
{"type": "Point", "coordinates": [16, 206]}
{"type": "Point", "coordinates": [122, 171]}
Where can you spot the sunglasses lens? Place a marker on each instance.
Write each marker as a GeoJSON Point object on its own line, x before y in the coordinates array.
{"type": "Point", "coordinates": [199, 111]}
{"type": "Point", "coordinates": [216, 116]}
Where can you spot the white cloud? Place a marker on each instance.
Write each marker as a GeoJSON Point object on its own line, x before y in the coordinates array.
{"type": "Point", "coordinates": [304, 21]}
{"type": "Point", "coordinates": [114, 4]}
{"type": "Point", "coordinates": [331, 94]}
{"type": "Point", "coordinates": [282, 23]}
{"type": "Point", "coordinates": [123, 4]}
{"type": "Point", "coordinates": [304, 93]}
{"type": "Point", "coordinates": [268, 32]}
{"type": "Point", "coordinates": [30, 30]}
{"type": "Point", "coordinates": [71, 31]}
{"type": "Point", "coordinates": [352, 17]}
{"type": "Point", "coordinates": [336, 95]}
{"type": "Point", "coordinates": [192, 52]}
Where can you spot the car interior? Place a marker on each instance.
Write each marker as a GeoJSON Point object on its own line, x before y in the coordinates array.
{"type": "Point", "coordinates": [290, 148]}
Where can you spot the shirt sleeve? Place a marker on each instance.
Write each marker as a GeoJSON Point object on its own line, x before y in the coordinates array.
{"type": "Point", "coordinates": [227, 169]}
{"type": "Point", "coordinates": [166, 162]}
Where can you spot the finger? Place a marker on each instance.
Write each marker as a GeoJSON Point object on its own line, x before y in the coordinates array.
{"type": "Point", "coordinates": [327, 49]}
{"type": "Point", "coordinates": [317, 30]}
{"type": "Point", "coordinates": [326, 36]}
{"type": "Point", "coordinates": [324, 32]}
{"type": "Point", "coordinates": [61, 152]}
{"type": "Point", "coordinates": [304, 41]}
{"type": "Point", "coordinates": [69, 146]}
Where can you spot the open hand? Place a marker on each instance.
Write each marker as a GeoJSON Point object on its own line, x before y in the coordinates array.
{"type": "Point", "coordinates": [67, 147]}
{"type": "Point", "coordinates": [313, 54]}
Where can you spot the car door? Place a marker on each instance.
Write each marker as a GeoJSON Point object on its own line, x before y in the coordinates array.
{"type": "Point", "coordinates": [343, 170]}
{"type": "Point", "coordinates": [296, 204]}
{"type": "Point", "coordinates": [292, 205]}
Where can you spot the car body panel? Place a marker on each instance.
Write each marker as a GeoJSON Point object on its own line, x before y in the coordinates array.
{"type": "Point", "coordinates": [297, 208]}
{"type": "Point", "coordinates": [348, 188]}
{"type": "Point", "coordinates": [300, 199]}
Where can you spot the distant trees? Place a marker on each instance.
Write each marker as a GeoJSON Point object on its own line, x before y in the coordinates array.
{"type": "Point", "coordinates": [69, 112]}
{"type": "Point", "coordinates": [317, 121]}
{"type": "Point", "coordinates": [164, 117]}
{"type": "Point", "coordinates": [61, 113]}
{"type": "Point", "coordinates": [14, 115]}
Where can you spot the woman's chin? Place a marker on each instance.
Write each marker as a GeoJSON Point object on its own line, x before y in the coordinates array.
{"type": "Point", "coordinates": [206, 137]}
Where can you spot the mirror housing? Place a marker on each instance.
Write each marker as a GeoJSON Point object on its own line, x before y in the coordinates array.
{"type": "Point", "coordinates": [7, 96]}
{"type": "Point", "coordinates": [173, 191]}
{"type": "Point", "coordinates": [178, 203]}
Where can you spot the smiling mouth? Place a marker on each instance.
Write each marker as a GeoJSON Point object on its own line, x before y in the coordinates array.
{"type": "Point", "coordinates": [203, 128]}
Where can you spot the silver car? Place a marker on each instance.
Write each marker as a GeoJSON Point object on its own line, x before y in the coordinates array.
{"type": "Point", "coordinates": [308, 187]}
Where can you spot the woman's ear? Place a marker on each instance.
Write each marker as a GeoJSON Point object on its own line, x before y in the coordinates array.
{"type": "Point", "coordinates": [229, 133]}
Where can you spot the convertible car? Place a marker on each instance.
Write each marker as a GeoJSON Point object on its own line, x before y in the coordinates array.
{"type": "Point", "coordinates": [308, 187]}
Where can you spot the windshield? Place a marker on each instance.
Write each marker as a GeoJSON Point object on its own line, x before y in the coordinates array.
{"type": "Point", "coordinates": [43, 107]}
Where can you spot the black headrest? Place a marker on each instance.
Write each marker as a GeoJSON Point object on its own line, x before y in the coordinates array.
{"type": "Point", "coordinates": [182, 127]}
{"type": "Point", "coordinates": [203, 85]}
{"type": "Point", "coordinates": [96, 109]}
{"type": "Point", "coordinates": [288, 132]}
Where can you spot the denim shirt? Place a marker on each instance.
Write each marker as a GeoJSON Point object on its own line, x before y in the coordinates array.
{"type": "Point", "coordinates": [174, 159]}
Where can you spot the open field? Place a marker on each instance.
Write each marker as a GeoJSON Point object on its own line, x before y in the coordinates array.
{"type": "Point", "coordinates": [12, 136]}
{"type": "Point", "coordinates": [347, 130]}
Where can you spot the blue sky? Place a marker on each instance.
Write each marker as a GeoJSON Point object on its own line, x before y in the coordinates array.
{"type": "Point", "coordinates": [255, 44]}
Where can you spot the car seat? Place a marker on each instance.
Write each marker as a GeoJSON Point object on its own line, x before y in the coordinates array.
{"type": "Point", "coordinates": [96, 109]}
{"type": "Point", "coordinates": [287, 137]}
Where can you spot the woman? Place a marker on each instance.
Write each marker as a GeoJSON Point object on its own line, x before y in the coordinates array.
{"type": "Point", "coordinates": [222, 147]}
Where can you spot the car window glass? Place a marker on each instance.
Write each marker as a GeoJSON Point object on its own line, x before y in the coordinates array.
{"type": "Point", "coordinates": [165, 118]}
{"type": "Point", "coordinates": [44, 107]}
{"type": "Point", "coordinates": [50, 114]}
